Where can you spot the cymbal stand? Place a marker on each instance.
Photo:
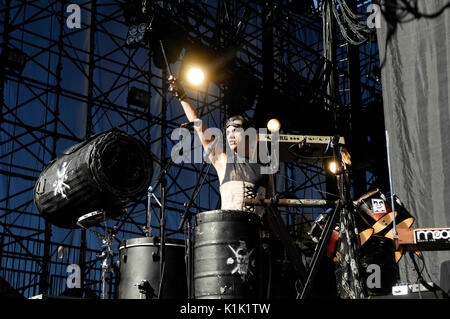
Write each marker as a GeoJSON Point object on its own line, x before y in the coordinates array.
{"type": "Point", "coordinates": [106, 267]}
{"type": "Point", "coordinates": [329, 227]}
{"type": "Point", "coordinates": [278, 226]}
{"type": "Point", "coordinates": [107, 255]}
{"type": "Point", "coordinates": [148, 229]}
{"type": "Point", "coordinates": [320, 250]}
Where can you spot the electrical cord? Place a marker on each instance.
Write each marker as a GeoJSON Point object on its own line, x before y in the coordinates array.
{"type": "Point", "coordinates": [434, 288]}
{"type": "Point", "coordinates": [306, 157]}
{"type": "Point", "coordinates": [269, 284]}
{"type": "Point", "coordinates": [344, 32]}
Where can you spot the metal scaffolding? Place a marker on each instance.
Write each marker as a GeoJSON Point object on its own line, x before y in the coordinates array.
{"type": "Point", "coordinates": [75, 83]}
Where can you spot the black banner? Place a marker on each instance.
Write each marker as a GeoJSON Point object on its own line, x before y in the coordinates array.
{"type": "Point", "coordinates": [414, 46]}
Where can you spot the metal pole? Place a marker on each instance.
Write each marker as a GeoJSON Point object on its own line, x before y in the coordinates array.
{"type": "Point", "coordinates": [89, 129]}
{"type": "Point", "coordinates": [394, 227]}
{"type": "Point", "coordinates": [356, 122]}
{"type": "Point", "coordinates": [163, 183]}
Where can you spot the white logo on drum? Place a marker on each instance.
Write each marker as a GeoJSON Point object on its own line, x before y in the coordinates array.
{"type": "Point", "coordinates": [59, 186]}
{"type": "Point", "coordinates": [242, 259]}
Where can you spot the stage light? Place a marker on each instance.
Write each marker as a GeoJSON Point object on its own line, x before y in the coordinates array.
{"type": "Point", "coordinates": [273, 125]}
{"type": "Point", "coordinates": [14, 59]}
{"type": "Point", "coordinates": [138, 97]}
{"type": "Point", "coordinates": [334, 167]}
{"type": "Point", "coordinates": [137, 35]}
{"type": "Point", "coordinates": [150, 26]}
{"type": "Point", "coordinates": [212, 65]}
{"type": "Point", "coordinates": [195, 76]}
{"type": "Point", "coordinates": [195, 67]}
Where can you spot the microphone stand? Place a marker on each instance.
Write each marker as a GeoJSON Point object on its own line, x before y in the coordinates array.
{"type": "Point", "coordinates": [150, 194]}
{"type": "Point", "coordinates": [187, 214]}
{"type": "Point", "coordinates": [161, 180]}
{"type": "Point", "coordinates": [196, 190]}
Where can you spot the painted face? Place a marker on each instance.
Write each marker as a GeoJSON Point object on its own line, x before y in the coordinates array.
{"type": "Point", "coordinates": [378, 206]}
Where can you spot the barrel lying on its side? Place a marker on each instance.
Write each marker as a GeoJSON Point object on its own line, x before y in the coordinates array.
{"type": "Point", "coordinates": [102, 173]}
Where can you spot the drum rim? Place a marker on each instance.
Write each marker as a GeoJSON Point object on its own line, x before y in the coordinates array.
{"type": "Point", "coordinates": [148, 244]}
{"type": "Point", "coordinates": [149, 241]}
{"type": "Point", "coordinates": [222, 211]}
{"type": "Point", "coordinates": [217, 212]}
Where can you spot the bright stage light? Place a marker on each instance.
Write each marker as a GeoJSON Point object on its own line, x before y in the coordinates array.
{"type": "Point", "coordinates": [273, 125]}
{"type": "Point", "coordinates": [195, 76]}
{"type": "Point", "coordinates": [332, 166]}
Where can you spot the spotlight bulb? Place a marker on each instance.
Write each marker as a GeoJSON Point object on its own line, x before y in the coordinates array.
{"type": "Point", "coordinates": [195, 76]}
{"type": "Point", "coordinates": [332, 166]}
{"type": "Point", "coordinates": [273, 125]}
{"type": "Point", "coordinates": [335, 168]}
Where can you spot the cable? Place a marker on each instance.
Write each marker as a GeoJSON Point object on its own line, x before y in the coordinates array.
{"type": "Point", "coordinates": [269, 284]}
{"type": "Point", "coordinates": [420, 278]}
{"type": "Point", "coordinates": [344, 31]}
{"type": "Point", "coordinates": [306, 157]}
{"type": "Point", "coordinates": [347, 15]}
{"type": "Point", "coordinates": [349, 11]}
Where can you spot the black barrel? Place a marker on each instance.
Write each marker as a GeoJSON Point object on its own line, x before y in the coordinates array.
{"type": "Point", "coordinates": [139, 264]}
{"type": "Point", "coordinates": [226, 255]}
{"type": "Point", "coordinates": [377, 259]}
{"type": "Point", "coordinates": [102, 173]}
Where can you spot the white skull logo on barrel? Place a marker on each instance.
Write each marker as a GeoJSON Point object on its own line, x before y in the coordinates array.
{"type": "Point", "coordinates": [242, 260]}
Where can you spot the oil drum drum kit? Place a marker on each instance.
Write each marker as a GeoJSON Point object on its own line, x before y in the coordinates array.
{"type": "Point", "coordinates": [94, 179]}
{"type": "Point", "coordinates": [91, 183]}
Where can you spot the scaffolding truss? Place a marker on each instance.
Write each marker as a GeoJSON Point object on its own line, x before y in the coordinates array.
{"type": "Point", "coordinates": [75, 83]}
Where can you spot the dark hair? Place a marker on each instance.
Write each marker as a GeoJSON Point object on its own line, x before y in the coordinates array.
{"type": "Point", "coordinates": [239, 121]}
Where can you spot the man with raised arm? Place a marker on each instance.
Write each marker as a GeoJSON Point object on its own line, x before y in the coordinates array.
{"type": "Point", "coordinates": [240, 175]}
